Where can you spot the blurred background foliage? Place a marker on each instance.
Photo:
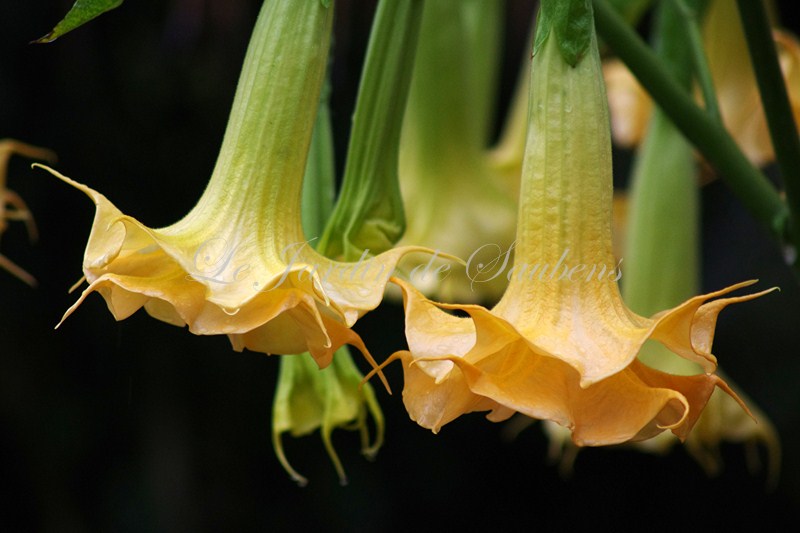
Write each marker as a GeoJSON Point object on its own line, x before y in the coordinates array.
{"type": "Point", "coordinates": [139, 426]}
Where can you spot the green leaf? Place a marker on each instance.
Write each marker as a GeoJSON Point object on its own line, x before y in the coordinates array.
{"type": "Point", "coordinates": [572, 22]}
{"type": "Point", "coordinates": [82, 12]}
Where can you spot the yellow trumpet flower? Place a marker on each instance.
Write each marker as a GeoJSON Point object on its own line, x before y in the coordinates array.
{"type": "Point", "coordinates": [561, 345]}
{"type": "Point", "coordinates": [238, 263]}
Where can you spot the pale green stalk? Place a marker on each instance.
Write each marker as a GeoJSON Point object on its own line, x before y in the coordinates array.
{"type": "Point", "coordinates": [369, 212]}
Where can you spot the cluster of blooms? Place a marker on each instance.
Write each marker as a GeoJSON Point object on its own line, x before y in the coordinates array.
{"type": "Point", "coordinates": [560, 345]}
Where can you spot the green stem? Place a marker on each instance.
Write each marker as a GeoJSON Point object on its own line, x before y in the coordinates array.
{"type": "Point", "coordinates": [774, 98]}
{"type": "Point", "coordinates": [710, 137]}
{"type": "Point", "coordinates": [369, 212]}
{"type": "Point", "coordinates": [701, 68]}
{"type": "Point", "coordinates": [662, 243]}
{"type": "Point", "coordinates": [319, 182]}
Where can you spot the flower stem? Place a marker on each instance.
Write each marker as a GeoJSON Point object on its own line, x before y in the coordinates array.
{"type": "Point", "coordinates": [774, 98]}
{"type": "Point", "coordinates": [701, 68]}
{"type": "Point", "coordinates": [709, 136]}
{"type": "Point", "coordinates": [369, 212]}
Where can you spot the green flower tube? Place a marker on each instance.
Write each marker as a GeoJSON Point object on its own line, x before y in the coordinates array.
{"type": "Point", "coordinates": [456, 200]}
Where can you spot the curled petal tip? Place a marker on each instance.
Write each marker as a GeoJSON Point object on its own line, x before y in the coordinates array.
{"type": "Point", "coordinates": [76, 285]}
{"type": "Point", "coordinates": [293, 474]}
{"type": "Point", "coordinates": [370, 453]}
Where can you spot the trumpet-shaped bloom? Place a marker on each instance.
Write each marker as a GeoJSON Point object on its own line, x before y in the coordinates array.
{"type": "Point", "coordinates": [661, 253]}
{"type": "Point", "coordinates": [561, 345]}
{"type": "Point", "coordinates": [238, 263]}
{"type": "Point", "coordinates": [12, 207]}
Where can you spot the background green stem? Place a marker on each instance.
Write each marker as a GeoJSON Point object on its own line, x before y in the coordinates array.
{"type": "Point", "coordinates": [710, 137]}
{"type": "Point", "coordinates": [699, 59]}
{"type": "Point", "coordinates": [777, 108]}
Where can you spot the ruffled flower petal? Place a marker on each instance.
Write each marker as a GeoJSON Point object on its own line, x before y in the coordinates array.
{"type": "Point", "coordinates": [483, 363]}
{"type": "Point", "coordinates": [277, 300]}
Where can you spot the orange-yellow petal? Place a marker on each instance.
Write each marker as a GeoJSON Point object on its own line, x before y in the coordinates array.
{"type": "Point", "coordinates": [282, 298]}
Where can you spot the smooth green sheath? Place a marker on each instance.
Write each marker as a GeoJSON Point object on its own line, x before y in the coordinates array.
{"type": "Point", "coordinates": [369, 212]}
{"type": "Point", "coordinates": [79, 14]}
{"type": "Point", "coordinates": [661, 253]}
{"type": "Point", "coordinates": [456, 200]}
{"type": "Point", "coordinates": [709, 136]}
{"type": "Point", "coordinates": [450, 105]}
{"type": "Point", "coordinates": [263, 156]}
{"type": "Point", "coordinates": [777, 108]}
{"type": "Point", "coordinates": [319, 182]}
{"type": "Point", "coordinates": [308, 398]}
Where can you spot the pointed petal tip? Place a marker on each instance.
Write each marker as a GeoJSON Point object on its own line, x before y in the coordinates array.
{"type": "Point", "coordinates": [378, 369]}
{"type": "Point", "coordinates": [722, 384]}
{"type": "Point", "coordinates": [76, 284]}
{"type": "Point", "coordinates": [88, 191]}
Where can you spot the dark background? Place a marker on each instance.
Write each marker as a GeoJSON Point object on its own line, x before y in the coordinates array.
{"type": "Point", "coordinates": [139, 426]}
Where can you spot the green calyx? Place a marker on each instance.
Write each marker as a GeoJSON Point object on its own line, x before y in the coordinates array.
{"type": "Point", "coordinates": [369, 212]}
{"type": "Point", "coordinates": [572, 23]}
{"type": "Point", "coordinates": [308, 398]}
{"type": "Point", "coordinates": [449, 113]}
